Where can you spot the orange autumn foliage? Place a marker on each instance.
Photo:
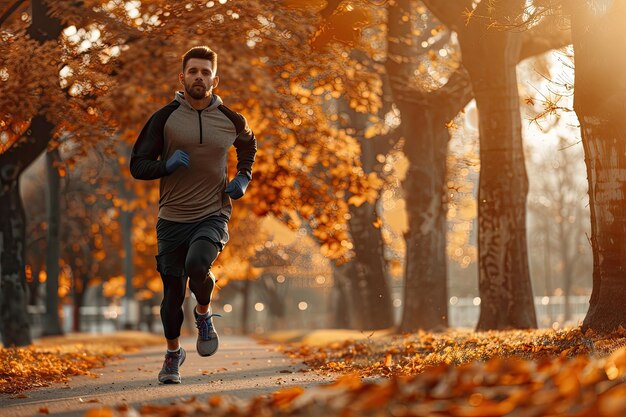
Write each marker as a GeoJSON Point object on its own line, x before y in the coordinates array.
{"type": "Point", "coordinates": [114, 66]}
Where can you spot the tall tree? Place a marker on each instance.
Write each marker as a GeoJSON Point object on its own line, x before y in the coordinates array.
{"type": "Point", "coordinates": [599, 39]}
{"type": "Point", "coordinates": [13, 317]}
{"type": "Point", "coordinates": [367, 272]}
{"type": "Point", "coordinates": [52, 321]}
{"type": "Point", "coordinates": [426, 113]}
{"type": "Point", "coordinates": [491, 51]}
{"type": "Point", "coordinates": [365, 279]}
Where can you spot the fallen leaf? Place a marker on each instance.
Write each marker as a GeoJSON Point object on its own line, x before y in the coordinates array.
{"type": "Point", "coordinates": [99, 412]}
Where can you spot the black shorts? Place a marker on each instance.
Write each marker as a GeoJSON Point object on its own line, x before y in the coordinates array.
{"type": "Point", "coordinates": [174, 239]}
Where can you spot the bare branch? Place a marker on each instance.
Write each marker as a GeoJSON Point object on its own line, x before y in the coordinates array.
{"type": "Point", "coordinates": [457, 92]}
{"type": "Point", "coordinates": [547, 35]}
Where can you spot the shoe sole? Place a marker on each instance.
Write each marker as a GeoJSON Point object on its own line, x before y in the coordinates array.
{"type": "Point", "coordinates": [213, 346]}
{"type": "Point", "coordinates": [170, 381]}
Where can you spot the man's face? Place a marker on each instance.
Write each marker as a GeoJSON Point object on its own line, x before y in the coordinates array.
{"type": "Point", "coordinates": [198, 78]}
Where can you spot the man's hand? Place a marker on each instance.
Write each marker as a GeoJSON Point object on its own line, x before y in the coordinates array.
{"type": "Point", "coordinates": [237, 187]}
{"type": "Point", "coordinates": [178, 159]}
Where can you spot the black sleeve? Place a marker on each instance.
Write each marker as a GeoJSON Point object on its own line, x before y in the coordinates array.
{"type": "Point", "coordinates": [144, 159]}
{"type": "Point", "coordinates": [246, 147]}
{"type": "Point", "coordinates": [245, 143]}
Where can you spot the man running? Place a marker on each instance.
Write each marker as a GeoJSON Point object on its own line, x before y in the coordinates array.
{"type": "Point", "coordinates": [185, 144]}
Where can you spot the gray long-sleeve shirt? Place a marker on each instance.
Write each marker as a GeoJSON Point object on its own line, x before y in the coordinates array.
{"type": "Point", "coordinates": [190, 194]}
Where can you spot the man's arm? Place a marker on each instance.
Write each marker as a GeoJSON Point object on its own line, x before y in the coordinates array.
{"type": "Point", "coordinates": [246, 147]}
{"type": "Point", "coordinates": [144, 163]}
{"type": "Point", "coordinates": [245, 144]}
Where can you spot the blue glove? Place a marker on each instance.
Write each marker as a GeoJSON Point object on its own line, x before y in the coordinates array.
{"type": "Point", "coordinates": [178, 159]}
{"type": "Point", "coordinates": [236, 188]}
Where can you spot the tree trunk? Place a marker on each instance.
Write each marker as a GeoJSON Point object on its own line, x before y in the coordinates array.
{"type": "Point", "coordinates": [426, 292]}
{"type": "Point", "coordinates": [245, 308]}
{"type": "Point", "coordinates": [424, 117]}
{"type": "Point", "coordinates": [149, 317]}
{"type": "Point", "coordinates": [490, 56]}
{"type": "Point", "coordinates": [14, 322]}
{"type": "Point", "coordinates": [605, 152]}
{"type": "Point", "coordinates": [51, 320]}
{"type": "Point", "coordinates": [33, 295]}
{"type": "Point", "coordinates": [79, 287]}
{"type": "Point", "coordinates": [599, 38]}
{"type": "Point", "coordinates": [13, 316]}
{"type": "Point", "coordinates": [343, 303]}
{"type": "Point", "coordinates": [130, 304]}
{"type": "Point", "coordinates": [367, 271]}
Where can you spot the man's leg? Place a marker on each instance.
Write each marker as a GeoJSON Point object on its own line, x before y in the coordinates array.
{"type": "Point", "coordinates": [200, 257]}
{"type": "Point", "coordinates": [172, 318]}
{"type": "Point", "coordinates": [172, 308]}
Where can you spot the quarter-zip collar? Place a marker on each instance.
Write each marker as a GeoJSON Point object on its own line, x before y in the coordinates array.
{"type": "Point", "coordinates": [217, 101]}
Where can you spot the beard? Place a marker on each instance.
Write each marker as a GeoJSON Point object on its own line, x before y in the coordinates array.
{"type": "Point", "coordinates": [197, 92]}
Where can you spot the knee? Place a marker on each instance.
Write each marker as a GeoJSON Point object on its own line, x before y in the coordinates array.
{"type": "Point", "coordinates": [197, 270]}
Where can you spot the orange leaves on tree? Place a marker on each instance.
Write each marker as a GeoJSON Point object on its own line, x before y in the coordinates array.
{"type": "Point", "coordinates": [11, 131]}
{"type": "Point", "coordinates": [343, 26]}
{"type": "Point", "coordinates": [100, 96]}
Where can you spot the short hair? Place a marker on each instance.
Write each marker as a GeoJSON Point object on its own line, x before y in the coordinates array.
{"type": "Point", "coordinates": [202, 52]}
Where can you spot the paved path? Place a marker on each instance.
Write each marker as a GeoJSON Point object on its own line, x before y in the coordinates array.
{"type": "Point", "coordinates": [241, 368]}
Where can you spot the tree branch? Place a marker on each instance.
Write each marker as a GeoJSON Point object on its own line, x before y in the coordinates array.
{"type": "Point", "coordinates": [28, 148]}
{"type": "Point", "coordinates": [385, 143]}
{"type": "Point", "coordinates": [11, 10]}
{"type": "Point", "coordinates": [545, 36]}
{"type": "Point", "coordinates": [455, 94]}
{"type": "Point", "coordinates": [330, 8]}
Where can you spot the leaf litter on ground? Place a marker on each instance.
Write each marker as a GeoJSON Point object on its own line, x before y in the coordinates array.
{"type": "Point", "coordinates": [455, 373]}
{"type": "Point", "coordinates": [56, 359]}
{"type": "Point", "coordinates": [409, 354]}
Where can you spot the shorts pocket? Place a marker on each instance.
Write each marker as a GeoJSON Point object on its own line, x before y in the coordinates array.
{"type": "Point", "coordinates": [169, 264]}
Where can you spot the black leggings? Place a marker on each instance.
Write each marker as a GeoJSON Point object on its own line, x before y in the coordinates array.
{"type": "Point", "coordinates": [200, 258]}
